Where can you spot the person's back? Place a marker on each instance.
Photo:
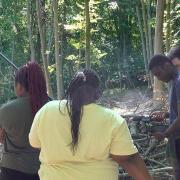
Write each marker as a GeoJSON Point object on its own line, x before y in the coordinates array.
{"type": "Point", "coordinates": [19, 160]}
{"type": "Point", "coordinates": [16, 119]}
{"type": "Point", "coordinates": [91, 159]}
{"type": "Point", "coordinates": [78, 137]}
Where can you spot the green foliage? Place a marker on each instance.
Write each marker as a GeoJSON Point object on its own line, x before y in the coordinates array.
{"type": "Point", "coordinates": [115, 38]}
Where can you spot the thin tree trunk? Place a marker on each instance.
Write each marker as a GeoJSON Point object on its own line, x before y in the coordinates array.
{"type": "Point", "coordinates": [145, 29]}
{"type": "Point", "coordinates": [150, 36]}
{"type": "Point", "coordinates": [119, 65]}
{"type": "Point", "coordinates": [149, 28]}
{"type": "Point", "coordinates": [41, 26]}
{"type": "Point", "coordinates": [29, 26]}
{"type": "Point", "coordinates": [50, 36]}
{"type": "Point", "coordinates": [158, 45]}
{"type": "Point", "coordinates": [38, 47]}
{"type": "Point", "coordinates": [142, 41]}
{"type": "Point", "coordinates": [50, 43]}
{"type": "Point", "coordinates": [59, 77]}
{"type": "Point", "coordinates": [125, 62]}
{"type": "Point", "coordinates": [71, 70]}
{"type": "Point", "coordinates": [168, 28]}
{"type": "Point", "coordinates": [88, 34]}
{"type": "Point", "coordinates": [80, 52]}
{"type": "Point", "coordinates": [63, 44]}
{"type": "Point", "coordinates": [1, 47]}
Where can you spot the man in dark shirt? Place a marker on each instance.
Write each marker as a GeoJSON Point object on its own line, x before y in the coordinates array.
{"type": "Point", "coordinates": [165, 71]}
{"type": "Point", "coordinates": [174, 56]}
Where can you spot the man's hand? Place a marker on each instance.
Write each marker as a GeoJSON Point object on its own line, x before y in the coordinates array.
{"type": "Point", "coordinates": [2, 133]}
{"type": "Point", "coordinates": [158, 116]}
{"type": "Point", "coordinates": [159, 135]}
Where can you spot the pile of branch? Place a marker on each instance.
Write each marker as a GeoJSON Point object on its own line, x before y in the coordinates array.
{"type": "Point", "coordinates": [152, 151]}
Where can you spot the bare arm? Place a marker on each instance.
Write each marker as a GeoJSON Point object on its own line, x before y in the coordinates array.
{"type": "Point", "coordinates": [175, 126]}
{"type": "Point", "coordinates": [134, 165]}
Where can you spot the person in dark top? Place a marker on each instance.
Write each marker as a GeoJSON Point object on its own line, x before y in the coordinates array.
{"type": "Point", "coordinates": [19, 160]}
{"type": "Point", "coordinates": [163, 68]}
{"type": "Point", "coordinates": [174, 56]}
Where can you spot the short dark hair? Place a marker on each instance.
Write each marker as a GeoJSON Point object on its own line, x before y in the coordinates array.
{"type": "Point", "coordinates": [174, 53]}
{"type": "Point", "coordinates": [158, 60]}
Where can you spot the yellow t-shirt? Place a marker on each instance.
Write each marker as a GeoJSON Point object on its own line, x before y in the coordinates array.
{"type": "Point", "coordinates": [102, 132]}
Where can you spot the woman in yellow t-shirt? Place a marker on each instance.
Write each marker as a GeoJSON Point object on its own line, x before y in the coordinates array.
{"type": "Point", "coordinates": [80, 140]}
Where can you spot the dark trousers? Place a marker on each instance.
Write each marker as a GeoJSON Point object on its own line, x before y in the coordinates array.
{"type": "Point", "coordinates": [177, 168]}
{"type": "Point", "coordinates": [9, 174]}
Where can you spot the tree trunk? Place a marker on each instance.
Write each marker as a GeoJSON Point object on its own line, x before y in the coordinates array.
{"type": "Point", "coordinates": [142, 41]}
{"type": "Point", "coordinates": [63, 44]}
{"type": "Point", "coordinates": [145, 29]}
{"type": "Point", "coordinates": [59, 77]}
{"type": "Point", "coordinates": [38, 47]}
{"type": "Point", "coordinates": [50, 36]}
{"type": "Point", "coordinates": [158, 45]}
{"type": "Point", "coordinates": [119, 65]}
{"type": "Point", "coordinates": [29, 26]}
{"type": "Point", "coordinates": [41, 26]}
{"type": "Point", "coordinates": [168, 27]}
{"type": "Point", "coordinates": [150, 37]}
{"type": "Point", "coordinates": [149, 28]}
{"type": "Point", "coordinates": [88, 34]}
{"type": "Point", "coordinates": [125, 62]}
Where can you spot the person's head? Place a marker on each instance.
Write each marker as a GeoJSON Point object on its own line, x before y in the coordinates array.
{"type": "Point", "coordinates": [30, 81]}
{"type": "Point", "coordinates": [162, 68]}
{"type": "Point", "coordinates": [174, 56]}
{"type": "Point", "coordinates": [83, 89]}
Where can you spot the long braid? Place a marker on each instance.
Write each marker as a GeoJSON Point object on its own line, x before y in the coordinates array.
{"type": "Point", "coordinates": [78, 87]}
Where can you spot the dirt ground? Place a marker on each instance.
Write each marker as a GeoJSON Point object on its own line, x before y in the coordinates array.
{"type": "Point", "coordinates": [136, 101]}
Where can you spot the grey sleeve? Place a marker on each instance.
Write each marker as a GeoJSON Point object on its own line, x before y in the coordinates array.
{"type": "Point", "coordinates": [4, 115]}
{"type": "Point", "coordinates": [1, 117]}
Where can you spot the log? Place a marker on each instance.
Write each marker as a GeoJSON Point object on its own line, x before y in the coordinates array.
{"type": "Point", "coordinates": [160, 170]}
{"type": "Point", "coordinates": [156, 162]}
{"type": "Point", "coordinates": [165, 169]}
{"type": "Point", "coordinates": [158, 155]}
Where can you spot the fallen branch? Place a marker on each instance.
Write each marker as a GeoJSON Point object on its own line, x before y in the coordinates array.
{"type": "Point", "coordinates": [154, 161]}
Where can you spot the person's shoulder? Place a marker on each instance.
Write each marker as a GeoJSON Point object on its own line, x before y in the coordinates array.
{"type": "Point", "coordinates": [111, 115]}
{"type": "Point", "coordinates": [52, 104]}
{"type": "Point", "coordinates": [102, 108]}
{"type": "Point", "coordinates": [55, 103]}
{"type": "Point", "coordinates": [10, 104]}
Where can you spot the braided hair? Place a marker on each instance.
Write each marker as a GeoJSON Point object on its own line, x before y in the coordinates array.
{"type": "Point", "coordinates": [82, 90]}
{"type": "Point", "coordinates": [31, 77]}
